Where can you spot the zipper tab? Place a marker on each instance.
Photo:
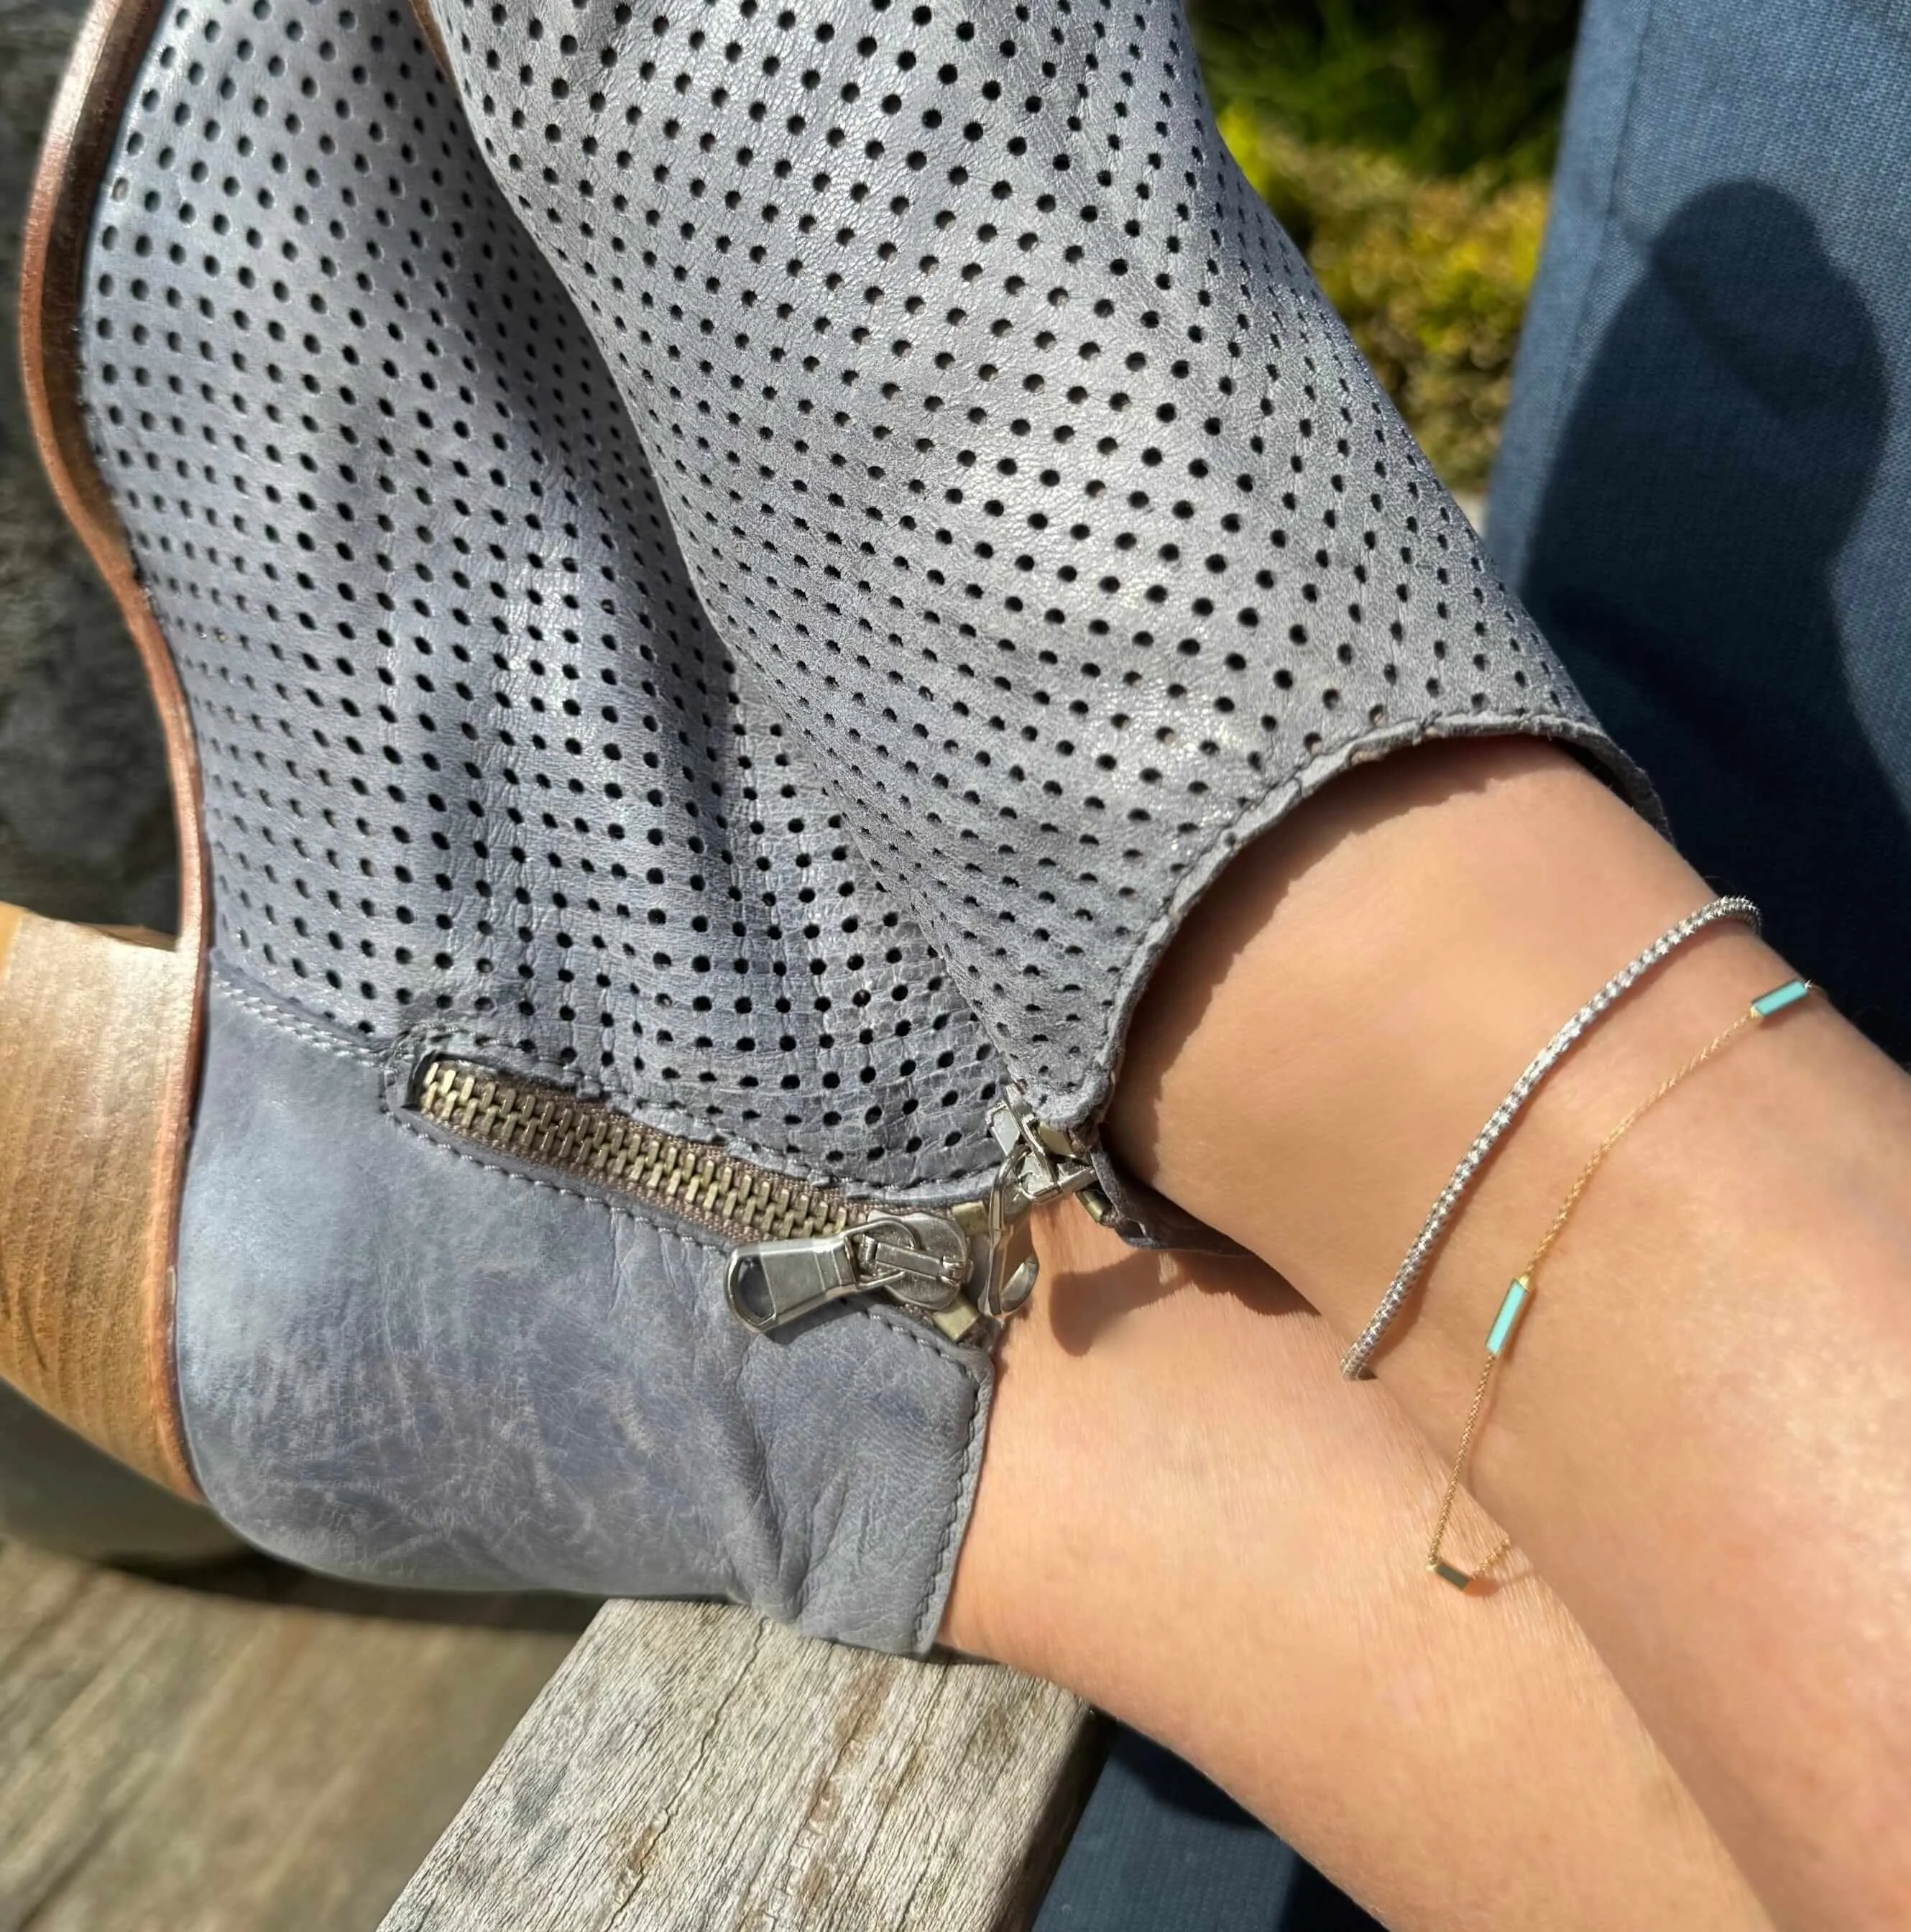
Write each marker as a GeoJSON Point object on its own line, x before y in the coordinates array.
{"type": "Point", "coordinates": [1040, 1163]}
{"type": "Point", "coordinates": [922, 1259]}
{"type": "Point", "coordinates": [958, 1266]}
{"type": "Point", "coordinates": [776, 1282]}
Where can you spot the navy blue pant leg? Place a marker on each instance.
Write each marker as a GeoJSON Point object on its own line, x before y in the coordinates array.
{"type": "Point", "coordinates": [1705, 491]}
{"type": "Point", "coordinates": [1160, 1850]}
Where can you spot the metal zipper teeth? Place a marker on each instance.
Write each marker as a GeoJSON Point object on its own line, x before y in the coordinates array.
{"type": "Point", "coordinates": [548, 1127]}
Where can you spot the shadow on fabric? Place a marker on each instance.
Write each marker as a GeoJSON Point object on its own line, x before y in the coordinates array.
{"type": "Point", "coordinates": [1719, 453]}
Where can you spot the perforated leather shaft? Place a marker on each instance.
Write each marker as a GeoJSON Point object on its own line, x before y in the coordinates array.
{"type": "Point", "coordinates": [1010, 441]}
{"type": "Point", "coordinates": [472, 756]}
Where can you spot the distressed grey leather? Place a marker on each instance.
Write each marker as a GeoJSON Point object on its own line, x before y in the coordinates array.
{"type": "Point", "coordinates": [476, 767]}
{"type": "Point", "coordinates": [1009, 439]}
{"type": "Point", "coordinates": [401, 1365]}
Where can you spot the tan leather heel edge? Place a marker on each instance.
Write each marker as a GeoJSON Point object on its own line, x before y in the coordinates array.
{"type": "Point", "coordinates": [93, 1032]}
{"type": "Point", "coordinates": [428, 28]}
{"type": "Point", "coordinates": [98, 1033]}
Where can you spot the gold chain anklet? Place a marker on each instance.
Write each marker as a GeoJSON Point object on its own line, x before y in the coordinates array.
{"type": "Point", "coordinates": [1519, 1296]}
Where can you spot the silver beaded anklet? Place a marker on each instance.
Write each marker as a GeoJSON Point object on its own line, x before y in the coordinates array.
{"type": "Point", "coordinates": [1354, 1362]}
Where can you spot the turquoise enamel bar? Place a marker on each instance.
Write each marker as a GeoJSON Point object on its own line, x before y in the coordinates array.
{"type": "Point", "coordinates": [1780, 997]}
{"type": "Point", "coordinates": [1507, 1321]}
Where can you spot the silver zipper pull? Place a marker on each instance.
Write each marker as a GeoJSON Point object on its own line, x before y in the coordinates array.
{"type": "Point", "coordinates": [922, 1259]}
{"type": "Point", "coordinates": [1039, 1163]}
{"type": "Point", "coordinates": [775, 1281]}
{"type": "Point", "coordinates": [955, 1265]}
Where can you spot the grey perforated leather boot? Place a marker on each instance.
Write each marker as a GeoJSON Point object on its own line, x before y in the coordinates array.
{"type": "Point", "coordinates": [1012, 444]}
{"type": "Point", "coordinates": [593, 1181]}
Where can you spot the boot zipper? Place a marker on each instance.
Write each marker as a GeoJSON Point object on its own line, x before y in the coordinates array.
{"type": "Point", "coordinates": [796, 1246]}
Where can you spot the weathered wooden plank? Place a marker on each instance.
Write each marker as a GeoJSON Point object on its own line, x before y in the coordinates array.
{"type": "Point", "coordinates": [693, 1769]}
{"type": "Point", "coordinates": [182, 1757]}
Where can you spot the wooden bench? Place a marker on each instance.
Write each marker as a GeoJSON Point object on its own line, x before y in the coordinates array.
{"type": "Point", "coordinates": [691, 1768]}
{"type": "Point", "coordinates": [240, 1749]}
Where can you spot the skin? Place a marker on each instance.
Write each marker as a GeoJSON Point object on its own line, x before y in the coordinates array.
{"type": "Point", "coordinates": [1696, 1441]}
{"type": "Point", "coordinates": [1699, 1437]}
{"type": "Point", "coordinates": [1188, 1518]}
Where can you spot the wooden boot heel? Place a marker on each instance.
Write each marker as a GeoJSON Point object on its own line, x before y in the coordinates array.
{"type": "Point", "coordinates": [94, 1086]}
{"type": "Point", "coordinates": [98, 1029]}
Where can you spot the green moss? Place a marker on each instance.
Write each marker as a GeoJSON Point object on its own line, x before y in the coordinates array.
{"type": "Point", "coordinates": [1441, 85]}
{"type": "Point", "coordinates": [1431, 276]}
{"type": "Point", "coordinates": [1405, 144]}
